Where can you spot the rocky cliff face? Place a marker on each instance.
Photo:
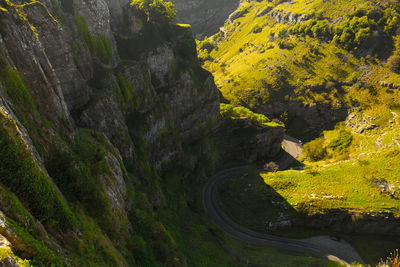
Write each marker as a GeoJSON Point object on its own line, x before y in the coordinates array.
{"type": "Point", "coordinates": [205, 16]}
{"type": "Point", "coordinates": [305, 121]}
{"type": "Point", "coordinates": [104, 99]}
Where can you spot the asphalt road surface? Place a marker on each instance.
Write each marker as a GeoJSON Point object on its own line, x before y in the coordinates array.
{"type": "Point", "coordinates": [320, 246]}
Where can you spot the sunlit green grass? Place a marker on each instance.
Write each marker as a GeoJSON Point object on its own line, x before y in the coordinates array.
{"type": "Point", "coordinates": [248, 65]}
{"type": "Point", "coordinates": [348, 185]}
{"type": "Point", "coordinates": [235, 113]}
{"type": "Point", "coordinates": [249, 201]}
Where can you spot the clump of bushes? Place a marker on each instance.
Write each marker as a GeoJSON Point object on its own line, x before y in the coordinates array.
{"type": "Point", "coordinates": [355, 29]}
{"type": "Point", "coordinates": [320, 148]}
{"type": "Point", "coordinates": [341, 143]}
{"type": "Point", "coordinates": [315, 150]}
{"type": "Point", "coordinates": [256, 29]}
{"type": "Point", "coordinates": [313, 28]}
{"type": "Point", "coordinates": [206, 44]}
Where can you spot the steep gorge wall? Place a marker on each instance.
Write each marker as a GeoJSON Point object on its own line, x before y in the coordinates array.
{"type": "Point", "coordinates": [205, 16]}
{"type": "Point", "coordinates": [106, 100]}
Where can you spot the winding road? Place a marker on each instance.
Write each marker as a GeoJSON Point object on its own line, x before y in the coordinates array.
{"type": "Point", "coordinates": [320, 246]}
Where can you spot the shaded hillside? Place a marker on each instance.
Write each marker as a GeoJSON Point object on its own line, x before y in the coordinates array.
{"type": "Point", "coordinates": [304, 61]}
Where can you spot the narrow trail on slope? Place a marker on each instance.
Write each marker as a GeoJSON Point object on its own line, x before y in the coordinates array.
{"type": "Point", "coordinates": [319, 246]}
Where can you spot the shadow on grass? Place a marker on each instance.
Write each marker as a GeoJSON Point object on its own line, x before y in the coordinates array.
{"type": "Point", "coordinates": [248, 201]}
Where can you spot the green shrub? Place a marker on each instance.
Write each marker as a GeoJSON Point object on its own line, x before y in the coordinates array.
{"type": "Point", "coordinates": [257, 29]}
{"type": "Point", "coordinates": [315, 149]}
{"type": "Point", "coordinates": [320, 29]}
{"type": "Point", "coordinates": [392, 24]}
{"type": "Point", "coordinates": [346, 38]}
{"type": "Point", "coordinates": [394, 64]}
{"type": "Point", "coordinates": [362, 35]}
{"type": "Point", "coordinates": [159, 239]}
{"type": "Point", "coordinates": [206, 44]}
{"type": "Point", "coordinates": [4, 253]}
{"type": "Point", "coordinates": [356, 28]}
{"type": "Point", "coordinates": [342, 142]}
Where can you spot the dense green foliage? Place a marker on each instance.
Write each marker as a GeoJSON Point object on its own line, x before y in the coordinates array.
{"type": "Point", "coordinates": [341, 143]}
{"type": "Point", "coordinates": [19, 173]}
{"type": "Point", "coordinates": [77, 173]}
{"type": "Point", "coordinates": [315, 150]}
{"type": "Point", "coordinates": [355, 29]}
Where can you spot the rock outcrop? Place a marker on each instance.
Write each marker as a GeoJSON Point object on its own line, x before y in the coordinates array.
{"type": "Point", "coordinates": [205, 16]}
{"type": "Point", "coordinates": [344, 221]}
{"type": "Point", "coordinates": [304, 121]}
{"type": "Point", "coordinates": [243, 141]}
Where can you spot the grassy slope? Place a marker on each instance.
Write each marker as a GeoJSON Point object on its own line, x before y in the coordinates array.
{"type": "Point", "coordinates": [265, 203]}
{"type": "Point", "coordinates": [253, 66]}
{"type": "Point", "coordinates": [314, 61]}
{"type": "Point", "coordinates": [277, 57]}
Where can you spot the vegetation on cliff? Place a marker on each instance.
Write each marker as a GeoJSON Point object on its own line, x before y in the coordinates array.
{"type": "Point", "coordinates": [229, 111]}
{"type": "Point", "coordinates": [86, 179]}
{"type": "Point", "coordinates": [156, 10]}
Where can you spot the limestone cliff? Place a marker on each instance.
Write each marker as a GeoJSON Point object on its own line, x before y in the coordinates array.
{"type": "Point", "coordinates": [205, 16]}
{"type": "Point", "coordinates": [98, 100]}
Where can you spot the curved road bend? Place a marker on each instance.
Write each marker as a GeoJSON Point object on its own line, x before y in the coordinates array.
{"type": "Point", "coordinates": [321, 246]}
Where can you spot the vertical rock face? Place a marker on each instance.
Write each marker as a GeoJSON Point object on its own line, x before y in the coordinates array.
{"type": "Point", "coordinates": [136, 87]}
{"type": "Point", "coordinates": [22, 49]}
{"type": "Point", "coordinates": [72, 64]}
{"type": "Point", "coordinates": [205, 16]}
